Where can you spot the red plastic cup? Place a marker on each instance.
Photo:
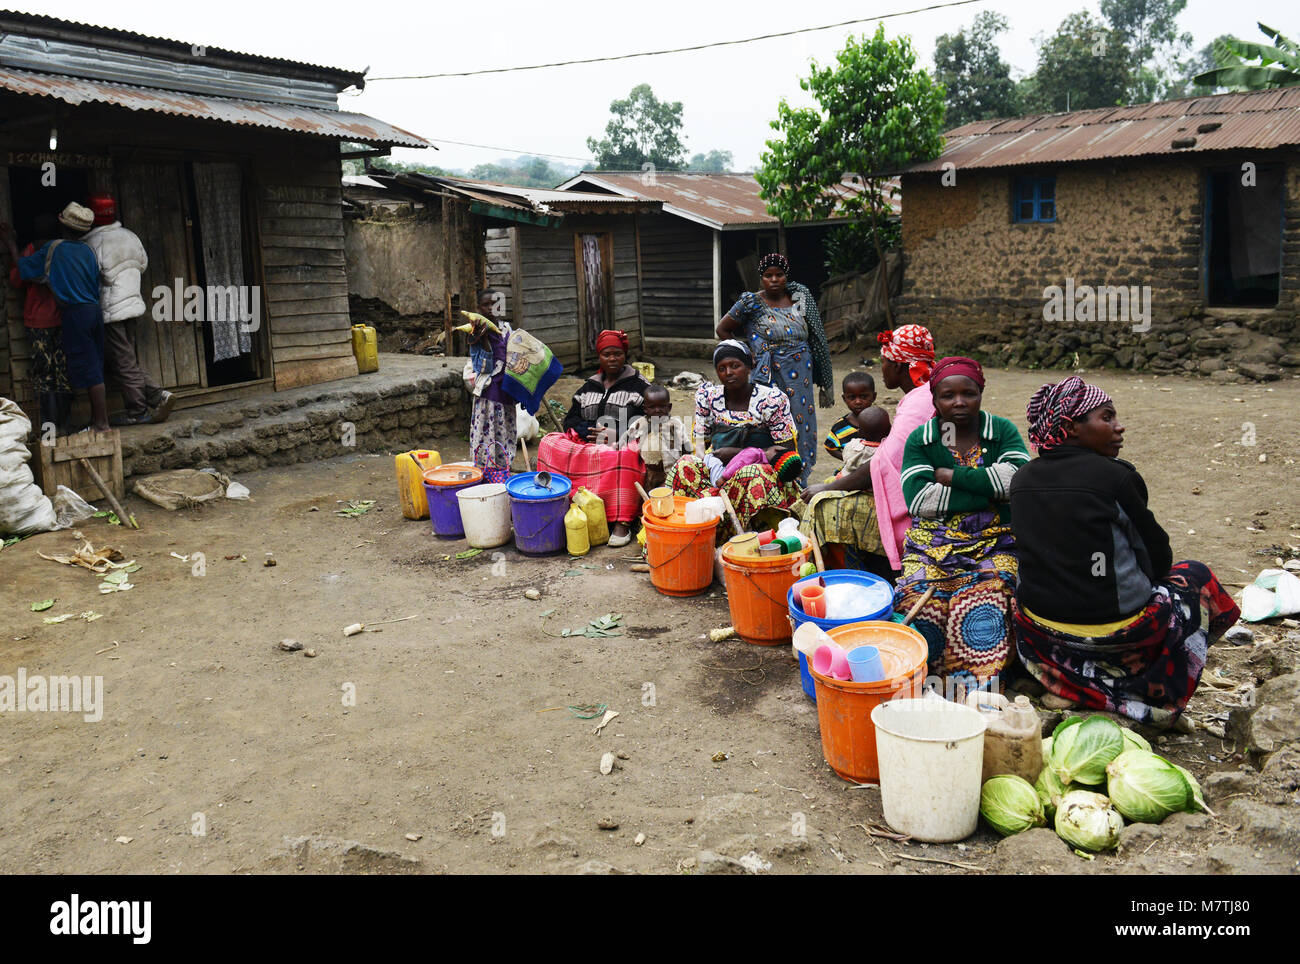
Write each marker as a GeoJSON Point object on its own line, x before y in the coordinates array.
{"type": "Point", "coordinates": [766, 536]}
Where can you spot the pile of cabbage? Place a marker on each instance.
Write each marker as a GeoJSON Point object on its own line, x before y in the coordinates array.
{"type": "Point", "coordinates": [1096, 775]}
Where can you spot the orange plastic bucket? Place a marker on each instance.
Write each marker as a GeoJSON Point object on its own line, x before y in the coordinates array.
{"type": "Point", "coordinates": [844, 707]}
{"type": "Point", "coordinates": [756, 593]}
{"type": "Point", "coordinates": [680, 555]}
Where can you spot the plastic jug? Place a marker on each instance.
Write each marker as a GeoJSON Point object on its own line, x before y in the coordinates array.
{"type": "Point", "coordinates": [575, 531]}
{"type": "Point", "coordinates": [593, 507]}
{"type": "Point", "coordinates": [411, 467]}
{"type": "Point", "coordinates": [1013, 739]}
{"type": "Point", "coordinates": [365, 345]}
{"type": "Point", "coordinates": [789, 529]}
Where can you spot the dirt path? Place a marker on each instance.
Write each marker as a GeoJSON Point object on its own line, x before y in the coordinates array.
{"type": "Point", "coordinates": [459, 731]}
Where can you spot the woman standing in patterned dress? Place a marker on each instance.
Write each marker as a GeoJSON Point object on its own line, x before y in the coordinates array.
{"type": "Point", "coordinates": [783, 329]}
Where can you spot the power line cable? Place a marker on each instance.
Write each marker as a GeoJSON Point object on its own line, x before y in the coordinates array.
{"type": "Point", "coordinates": [680, 50]}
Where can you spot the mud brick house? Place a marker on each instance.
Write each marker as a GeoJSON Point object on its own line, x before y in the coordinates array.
{"type": "Point", "coordinates": [1012, 229]}
{"type": "Point", "coordinates": [701, 251]}
{"type": "Point", "coordinates": [225, 164]}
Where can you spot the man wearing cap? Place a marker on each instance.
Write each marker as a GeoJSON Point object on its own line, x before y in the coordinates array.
{"type": "Point", "coordinates": [69, 267]}
{"type": "Point", "coordinates": [122, 260]}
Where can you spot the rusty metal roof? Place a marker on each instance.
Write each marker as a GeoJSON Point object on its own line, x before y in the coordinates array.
{"type": "Point", "coordinates": [540, 199]}
{"type": "Point", "coordinates": [1260, 120]}
{"type": "Point", "coordinates": [41, 25]}
{"type": "Point", "coordinates": [342, 125]}
{"type": "Point", "coordinates": [720, 201]}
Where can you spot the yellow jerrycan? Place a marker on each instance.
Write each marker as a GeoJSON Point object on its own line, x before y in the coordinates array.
{"type": "Point", "coordinates": [593, 507]}
{"type": "Point", "coordinates": [365, 345]}
{"type": "Point", "coordinates": [575, 531]}
{"type": "Point", "coordinates": [411, 467]}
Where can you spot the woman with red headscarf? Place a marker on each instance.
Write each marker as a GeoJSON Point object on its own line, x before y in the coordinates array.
{"type": "Point", "coordinates": [587, 453]}
{"type": "Point", "coordinates": [957, 471]}
{"type": "Point", "coordinates": [864, 511]}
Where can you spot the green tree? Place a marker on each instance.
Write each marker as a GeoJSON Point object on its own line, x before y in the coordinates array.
{"type": "Point", "coordinates": [1084, 64]}
{"type": "Point", "coordinates": [524, 171]}
{"type": "Point", "coordinates": [975, 78]}
{"type": "Point", "coordinates": [1279, 63]}
{"type": "Point", "coordinates": [875, 112]}
{"type": "Point", "coordinates": [715, 162]}
{"type": "Point", "coordinates": [1149, 31]}
{"type": "Point", "coordinates": [642, 130]}
{"type": "Point", "coordinates": [1200, 62]}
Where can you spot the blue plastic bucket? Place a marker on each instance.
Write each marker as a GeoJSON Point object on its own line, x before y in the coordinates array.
{"type": "Point", "coordinates": [832, 577]}
{"type": "Point", "coordinates": [805, 678]}
{"type": "Point", "coordinates": [538, 513]}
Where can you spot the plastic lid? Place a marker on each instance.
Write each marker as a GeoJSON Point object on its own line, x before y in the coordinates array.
{"type": "Point", "coordinates": [453, 475]}
{"type": "Point", "coordinates": [525, 488]}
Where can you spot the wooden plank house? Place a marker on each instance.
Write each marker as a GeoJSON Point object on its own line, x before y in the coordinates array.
{"type": "Point", "coordinates": [225, 164]}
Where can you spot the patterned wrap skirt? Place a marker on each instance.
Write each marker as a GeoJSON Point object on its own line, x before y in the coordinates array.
{"type": "Point", "coordinates": [969, 560]}
{"type": "Point", "coordinates": [754, 490]}
{"type": "Point", "coordinates": [609, 472]}
{"type": "Point", "coordinates": [492, 439]}
{"type": "Point", "coordinates": [788, 367]}
{"type": "Point", "coordinates": [1146, 670]}
{"type": "Point", "coordinates": [48, 368]}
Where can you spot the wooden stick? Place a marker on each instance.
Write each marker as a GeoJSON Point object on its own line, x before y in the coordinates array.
{"type": "Point", "coordinates": [523, 444]}
{"type": "Point", "coordinates": [817, 553]}
{"type": "Point", "coordinates": [731, 511]}
{"type": "Point", "coordinates": [936, 860]}
{"type": "Point", "coordinates": [641, 492]}
{"type": "Point", "coordinates": [916, 607]}
{"type": "Point", "coordinates": [546, 406]}
{"type": "Point", "coordinates": [112, 499]}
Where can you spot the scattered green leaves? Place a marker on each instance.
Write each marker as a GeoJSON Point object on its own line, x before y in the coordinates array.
{"type": "Point", "coordinates": [468, 553]}
{"type": "Point", "coordinates": [355, 507]}
{"type": "Point", "coordinates": [44, 604]}
{"type": "Point", "coordinates": [115, 581]}
{"type": "Point", "coordinates": [609, 624]}
{"type": "Point", "coordinates": [111, 516]}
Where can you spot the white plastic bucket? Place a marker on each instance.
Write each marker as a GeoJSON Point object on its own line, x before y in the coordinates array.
{"type": "Point", "coordinates": [485, 514]}
{"type": "Point", "coordinates": [931, 756]}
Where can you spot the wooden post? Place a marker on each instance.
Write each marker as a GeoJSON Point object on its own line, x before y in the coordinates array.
{"type": "Point", "coordinates": [717, 276]}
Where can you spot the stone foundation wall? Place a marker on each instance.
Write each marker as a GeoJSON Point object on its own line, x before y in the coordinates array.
{"type": "Point", "coordinates": [976, 279]}
{"type": "Point", "coordinates": [386, 414]}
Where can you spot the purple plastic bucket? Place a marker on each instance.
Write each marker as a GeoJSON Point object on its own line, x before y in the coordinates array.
{"type": "Point", "coordinates": [538, 513]}
{"type": "Point", "coordinates": [444, 508]}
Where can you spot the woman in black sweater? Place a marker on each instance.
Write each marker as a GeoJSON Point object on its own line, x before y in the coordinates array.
{"type": "Point", "coordinates": [1103, 616]}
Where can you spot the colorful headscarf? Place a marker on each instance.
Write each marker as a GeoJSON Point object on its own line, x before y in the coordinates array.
{"type": "Point", "coordinates": [774, 260]}
{"type": "Point", "coordinates": [956, 365]}
{"type": "Point", "coordinates": [1053, 406]}
{"type": "Point", "coordinates": [611, 339]}
{"type": "Point", "coordinates": [910, 345]}
{"type": "Point", "coordinates": [731, 348]}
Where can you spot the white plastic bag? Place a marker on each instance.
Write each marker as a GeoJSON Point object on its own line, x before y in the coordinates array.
{"type": "Point", "coordinates": [704, 510]}
{"type": "Point", "coordinates": [1275, 592]}
{"type": "Point", "coordinates": [236, 491]}
{"type": "Point", "coordinates": [70, 508]}
{"type": "Point", "coordinates": [24, 508]}
{"type": "Point", "coordinates": [854, 601]}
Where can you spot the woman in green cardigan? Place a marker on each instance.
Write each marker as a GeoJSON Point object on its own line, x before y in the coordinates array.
{"type": "Point", "coordinates": [956, 475]}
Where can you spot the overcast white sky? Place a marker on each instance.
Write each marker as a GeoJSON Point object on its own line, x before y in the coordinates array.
{"type": "Point", "coordinates": [730, 94]}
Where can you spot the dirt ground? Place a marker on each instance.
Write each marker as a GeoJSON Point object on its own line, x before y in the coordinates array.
{"type": "Point", "coordinates": [459, 735]}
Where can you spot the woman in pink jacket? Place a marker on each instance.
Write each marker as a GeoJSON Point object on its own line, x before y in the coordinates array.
{"type": "Point", "coordinates": [863, 510]}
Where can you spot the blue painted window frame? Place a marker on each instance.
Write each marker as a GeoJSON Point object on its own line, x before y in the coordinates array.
{"type": "Point", "coordinates": [1033, 199]}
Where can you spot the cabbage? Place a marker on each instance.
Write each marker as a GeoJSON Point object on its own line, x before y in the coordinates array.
{"type": "Point", "coordinates": [1087, 820]}
{"type": "Point", "coordinates": [1047, 747]}
{"type": "Point", "coordinates": [1010, 805]}
{"type": "Point", "coordinates": [1133, 741]}
{"type": "Point", "coordinates": [1080, 751]}
{"type": "Point", "coordinates": [1050, 790]}
{"type": "Point", "coordinates": [1144, 787]}
{"type": "Point", "coordinates": [1195, 799]}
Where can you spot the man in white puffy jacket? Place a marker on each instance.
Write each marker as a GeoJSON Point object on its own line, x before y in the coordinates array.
{"type": "Point", "coordinates": [122, 260]}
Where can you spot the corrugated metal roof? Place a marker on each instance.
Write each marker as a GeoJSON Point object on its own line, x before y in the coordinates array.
{"type": "Point", "coordinates": [542, 199]}
{"type": "Point", "coordinates": [1258, 120]}
{"type": "Point", "coordinates": [37, 25]}
{"type": "Point", "coordinates": [342, 125]}
{"type": "Point", "coordinates": [717, 200]}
